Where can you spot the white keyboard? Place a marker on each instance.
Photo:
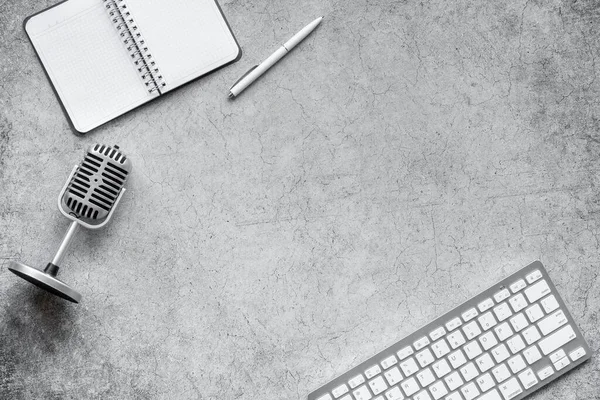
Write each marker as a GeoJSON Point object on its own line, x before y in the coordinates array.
{"type": "Point", "coordinates": [503, 344]}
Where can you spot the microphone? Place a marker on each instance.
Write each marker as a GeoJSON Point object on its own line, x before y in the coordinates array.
{"type": "Point", "coordinates": [89, 199]}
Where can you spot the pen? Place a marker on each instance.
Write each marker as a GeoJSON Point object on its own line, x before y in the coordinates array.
{"type": "Point", "coordinates": [255, 72]}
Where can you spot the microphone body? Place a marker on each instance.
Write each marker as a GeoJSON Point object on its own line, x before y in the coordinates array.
{"type": "Point", "coordinates": [89, 199]}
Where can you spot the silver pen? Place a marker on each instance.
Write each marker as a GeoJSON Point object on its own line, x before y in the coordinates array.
{"type": "Point", "coordinates": [256, 71]}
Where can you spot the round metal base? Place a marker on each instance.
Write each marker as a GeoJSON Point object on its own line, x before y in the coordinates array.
{"type": "Point", "coordinates": [44, 281]}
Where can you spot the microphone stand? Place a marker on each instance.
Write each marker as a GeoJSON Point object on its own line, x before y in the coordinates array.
{"type": "Point", "coordinates": [47, 279]}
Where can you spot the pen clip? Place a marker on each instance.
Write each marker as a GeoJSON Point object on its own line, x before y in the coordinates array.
{"type": "Point", "coordinates": [243, 76]}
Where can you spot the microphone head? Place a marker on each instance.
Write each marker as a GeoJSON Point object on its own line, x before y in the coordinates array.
{"type": "Point", "coordinates": [96, 184]}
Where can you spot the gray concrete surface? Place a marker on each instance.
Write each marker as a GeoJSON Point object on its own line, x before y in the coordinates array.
{"type": "Point", "coordinates": [406, 156]}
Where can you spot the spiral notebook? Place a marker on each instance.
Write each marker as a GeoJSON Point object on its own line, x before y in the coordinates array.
{"type": "Point", "coordinates": [107, 57]}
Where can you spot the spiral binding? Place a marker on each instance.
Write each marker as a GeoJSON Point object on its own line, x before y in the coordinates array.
{"type": "Point", "coordinates": [135, 44]}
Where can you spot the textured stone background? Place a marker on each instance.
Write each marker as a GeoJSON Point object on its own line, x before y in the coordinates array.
{"type": "Point", "coordinates": [406, 156]}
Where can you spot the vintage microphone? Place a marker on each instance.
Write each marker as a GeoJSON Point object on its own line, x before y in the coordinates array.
{"type": "Point", "coordinates": [89, 199]}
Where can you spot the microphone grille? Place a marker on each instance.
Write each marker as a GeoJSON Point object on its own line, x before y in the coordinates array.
{"type": "Point", "coordinates": [97, 182]}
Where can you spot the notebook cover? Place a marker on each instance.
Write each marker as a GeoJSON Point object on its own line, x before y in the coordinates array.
{"type": "Point", "coordinates": [62, 106]}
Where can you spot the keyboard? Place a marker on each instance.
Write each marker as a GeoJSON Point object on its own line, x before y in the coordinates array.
{"type": "Point", "coordinates": [503, 344]}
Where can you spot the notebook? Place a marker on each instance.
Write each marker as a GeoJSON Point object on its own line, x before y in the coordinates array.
{"type": "Point", "coordinates": [107, 57]}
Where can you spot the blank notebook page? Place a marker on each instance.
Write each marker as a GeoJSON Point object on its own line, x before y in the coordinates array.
{"type": "Point", "coordinates": [187, 38]}
{"type": "Point", "coordinates": [87, 62]}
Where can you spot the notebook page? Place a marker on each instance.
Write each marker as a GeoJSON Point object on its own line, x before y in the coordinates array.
{"type": "Point", "coordinates": [87, 62]}
{"type": "Point", "coordinates": [187, 38]}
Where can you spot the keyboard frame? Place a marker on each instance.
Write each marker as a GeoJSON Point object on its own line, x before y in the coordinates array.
{"type": "Point", "coordinates": [579, 341]}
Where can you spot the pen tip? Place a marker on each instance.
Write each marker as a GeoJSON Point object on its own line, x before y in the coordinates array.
{"type": "Point", "coordinates": [230, 95]}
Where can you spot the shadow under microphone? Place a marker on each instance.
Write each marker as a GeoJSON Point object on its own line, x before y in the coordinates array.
{"type": "Point", "coordinates": [89, 199]}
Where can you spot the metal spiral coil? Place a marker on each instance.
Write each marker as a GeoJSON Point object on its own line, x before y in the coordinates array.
{"type": "Point", "coordinates": [135, 44]}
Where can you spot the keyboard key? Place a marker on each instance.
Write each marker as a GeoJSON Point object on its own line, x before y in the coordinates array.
{"type": "Point", "coordinates": [484, 362]}
{"type": "Point", "coordinates": [501, 373]}
{"type": "Point", "coordinates": [554, 357]}
{"type": "Point", "coordinates": [419, 344]}
{"type": "Point", "coordinates": [518, 302]}
{"type": "Point", "coordinates": [534, 276]}
{"type": "Point", "coordinates": [537, 291]}
{"type": "Point", "coordinates": [491, 395]}
{"type": "Point", "coordinates": [470, 391]}
{"type": "Point", "coordinates": [500, 353]}
{"type": "Point", "coordinates": [488, 340]}
{"type": "Point", "coordinates": [425, 377]}
{"type": "Point", "coordinates": [502, 295]}
{"type": "Point", "coordinates": [552, 322]}
{"type": "Point", "coordinates": [531, 334]}
{"type": "Point", "coordinates": [441, 368]}
{"type": "Point", "coordinates": [422, 395]}
{"type": "Point", "coordinates": [518, 285]}
{"type": "Point", "coordinates": [502, 312]}
{"type": "Point", "coordinates": [454, 396]}
{"type": "Point", "coordinates": [377, 385]}
{"type": "Point", "coordinates": [471, 330]}
{"type": "Point", "coordinates": [469, 314]}
{"type": "Point", "coordinates": [549, 303]}
{"type": "Point", "coordinates": [515, 344]}
{"type": "Point", "coordinates": [453, 324]}
{"type": "Point", "coordinates": [485, 305]}
{"type": "Point", "coordinates": [487, 321]}
{"type": "Point", "coordinates": [357, 380]}
{"type": "Point", "coordinates": [362, 393]}
{"type": "Point", "coordinates": [577, 354]}
{"type": "Point", "coordinates": [532, 354]}
{"type": "Point", "coordinates": [485, 382]}
{"type": "Point", "coordinates": [425, 358]}
{"type": "Point", "coordinates": [409, 367]}
{"type": "Point", "coordinates": [557, 339]}
{"type": "Point", "coordinates": [519, 322]}
{"type": "Point", "coordinates": [325, 397]}
{"type": "Point", "coordinates": [528, 378]}
{"type": "Point", "coordinates": [511, 389]}
{"type": "Point", "coordinates": [410, 386]}
{"type": "Point", "coordinates": [457, 359]}
{"type": "Point", "coordinates": [472, 349]}
{"type": "Point", "coordinates": [503, 331]}
{"type": "Point", "coordinates": [469, 371]}
{"type": "Point", "coordinates": [438, 390]}
{"type": "Point", "coordinates": [560, 364]}
{"type": "Point", "coordinates": [440, 348]}
{"type": "Point", "coordinates": [437, 333]}
{"type": "Point", "coordinates": [456, 339]}
{"type": "Point", "coordinates": [394, 394]}
{"type": "Point", "coordinates": [516, 364]}
{"type": "Point", "coordinates": [545, 372]}
{"type": "Point", "coordinates": [340, 390]}
{"type": "Point", "coordinates": [388, 362]}
{"type": "Point", "coordinates": [393, 376]}
{"type": "Point", "coordinates": [405, 352]}
{"type": "Point", "coordinates": [453, 381]}
{"type": "Point", "coordinates": [534, 313]}
{"type": "Point", "coordinates": [348, 397]}
{"type": "Point", "coordinates": [372, 371]}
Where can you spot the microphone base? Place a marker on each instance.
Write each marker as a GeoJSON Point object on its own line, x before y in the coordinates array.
{"type": "Point", "coordinates": [45, 280]}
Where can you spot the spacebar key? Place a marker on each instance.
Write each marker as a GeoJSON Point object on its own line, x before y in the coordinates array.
{"type": "Point", "coordinates": [491, 395]}
{"type": "Point", "coordinates": [556, 340]}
